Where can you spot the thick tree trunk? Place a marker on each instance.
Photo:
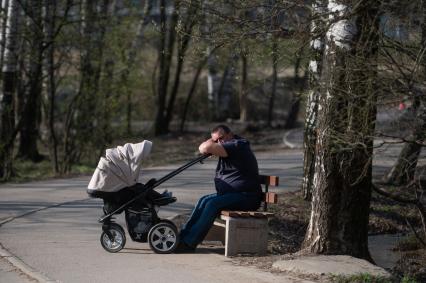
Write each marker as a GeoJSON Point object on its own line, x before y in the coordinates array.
{"type": "Point", "coordinates": [31, 114]}
{"type": "Point", "coordinates": [315, 66]}
{"type": "Point", "coordinates": [343, 165]}
{"type": "Point", "coordinates": [9, 71]}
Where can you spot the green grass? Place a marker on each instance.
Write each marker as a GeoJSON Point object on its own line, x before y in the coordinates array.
{"type": "Point", "coordinates": [26, 171]}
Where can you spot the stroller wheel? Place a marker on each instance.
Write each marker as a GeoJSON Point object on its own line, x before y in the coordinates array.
{"type": "Point", "coordinates": [163, 238]}
{"type": "Point", "coordinates": [113, 238]}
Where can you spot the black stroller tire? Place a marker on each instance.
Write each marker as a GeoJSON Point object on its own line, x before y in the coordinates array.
{"type": "Point", "coordinates": [163, 238]}
{"type": "Point", "coordinates": [116, 240]}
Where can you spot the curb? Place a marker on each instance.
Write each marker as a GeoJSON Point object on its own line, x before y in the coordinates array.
{"type": "Point", "coordinates": [18, 263]}
{"type": "Point", "coordinates": [23, 267]}
{"type": "Point", "coordinates": [289, 143]}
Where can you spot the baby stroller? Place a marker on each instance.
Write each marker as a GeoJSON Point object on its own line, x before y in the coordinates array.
{"type": "Point", "coordinates": [116, 182]}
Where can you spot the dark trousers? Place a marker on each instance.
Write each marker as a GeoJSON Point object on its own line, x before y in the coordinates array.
{"type": "Point", "coordinates": [207, 209]}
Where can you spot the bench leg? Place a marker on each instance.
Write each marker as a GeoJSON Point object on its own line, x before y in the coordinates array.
{"type": "Point", "coordinates": [246, 235]}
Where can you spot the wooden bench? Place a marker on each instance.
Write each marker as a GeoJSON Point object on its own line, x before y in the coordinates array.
{"type": "Point", "coordinates": [245, 231]}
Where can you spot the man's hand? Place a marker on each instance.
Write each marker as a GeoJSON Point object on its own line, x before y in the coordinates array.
{"type": "Point", "coordinates": [212, 147]}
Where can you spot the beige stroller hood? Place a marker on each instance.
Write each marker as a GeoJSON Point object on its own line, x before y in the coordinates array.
{"type": "Point", "coordinates": [120, 167]}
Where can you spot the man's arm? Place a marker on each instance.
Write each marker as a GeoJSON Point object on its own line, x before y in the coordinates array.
{"type": "Point", "coordinates": [209, 146]}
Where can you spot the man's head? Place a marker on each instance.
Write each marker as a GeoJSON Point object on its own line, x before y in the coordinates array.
{"type": "Point", "coordinates": [221, 134]}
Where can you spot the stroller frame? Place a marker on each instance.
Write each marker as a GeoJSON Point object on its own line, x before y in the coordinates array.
{"type": "Point", "coordinates": [163, 234]}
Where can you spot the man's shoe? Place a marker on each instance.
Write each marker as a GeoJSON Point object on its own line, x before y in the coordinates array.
{"type": "Point", "coordinates": [183, 248]}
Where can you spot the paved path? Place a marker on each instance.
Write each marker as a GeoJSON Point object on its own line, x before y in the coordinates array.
{"type": "Point", "coordinates": [51, 229]}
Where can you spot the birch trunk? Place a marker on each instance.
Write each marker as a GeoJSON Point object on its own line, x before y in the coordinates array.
{"type": "Point", "coordinates": [346, 120]}
{"type": "Point", "coordinates": [9, 72]}
{"type": "Point", "coordinates": [4, 8]}
{"type": "Point", "coordinates": [315, 67]}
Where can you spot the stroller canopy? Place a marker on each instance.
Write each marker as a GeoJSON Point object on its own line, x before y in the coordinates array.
{"type": "Point", "coordinates": [119, 168]}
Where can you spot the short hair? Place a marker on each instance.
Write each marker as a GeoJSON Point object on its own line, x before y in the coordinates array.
{"type": "Point", "coordinates": [222, 127]}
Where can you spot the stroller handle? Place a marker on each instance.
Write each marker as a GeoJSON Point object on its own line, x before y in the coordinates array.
{"type": "Point", "coordinates": [156, 184]}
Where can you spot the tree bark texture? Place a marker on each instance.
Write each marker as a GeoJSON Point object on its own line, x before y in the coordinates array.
{"type": "Point", "coordinates": [9, 71]}
{"type": "Point", "coordinates": [346, 120]}
{"type": "Point", "coordinates": [318, 27]}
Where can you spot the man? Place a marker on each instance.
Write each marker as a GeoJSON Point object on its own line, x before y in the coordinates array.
{"type": "Point", "coordinates": [237, 185]}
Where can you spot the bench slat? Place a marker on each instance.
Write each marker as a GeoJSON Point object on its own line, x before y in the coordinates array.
{"type": "Point", "coordinates": [245, 214]}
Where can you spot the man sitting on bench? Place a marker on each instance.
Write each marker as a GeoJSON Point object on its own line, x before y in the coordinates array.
{"type": "Point", "coordinates": [236, 181]}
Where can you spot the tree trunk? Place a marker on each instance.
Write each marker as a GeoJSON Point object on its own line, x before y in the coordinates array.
{"type": "Point", "coordinates": [274, 54]}
{"type": "Point", "coordinates": [213, 81]}
{"type": "Point", "coordinates": [165, 53]}
{"type": "Point", "coordinates": [311, 112]}
{"type": "Point", "coordinates": [50, 83]}
{"type": "Point", "coordinates": [183, 41]}
{"type": "Point", "coordinates": [343, 165]}
{"type": "Point", "coordinates": [9, 72]}
{"type": "Point", "coordinates": [243, 88]}
{"type": "Point", "coordinates": [4, 8]}
{"type": "Point", "coordinates": [226, 90]}
{"type": "Point", "coordinates": [31, 114]}
{"type": "Point", "coordinates": [191, 92]}
{"type": "Point", "coordinates": [85, 115]}
{"type": "Point", "coordinates": [131, 60]}
{"type": "Point", "coordinates": [293, 113]}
